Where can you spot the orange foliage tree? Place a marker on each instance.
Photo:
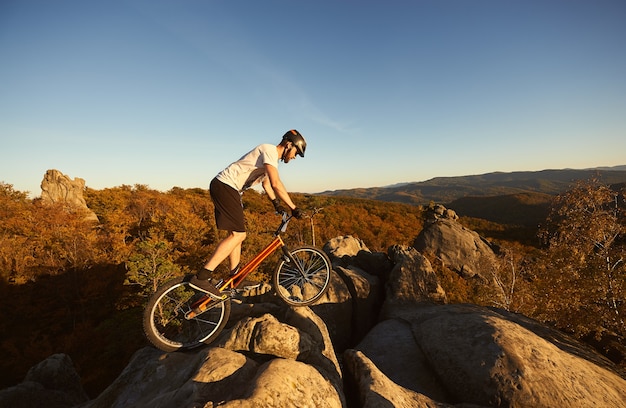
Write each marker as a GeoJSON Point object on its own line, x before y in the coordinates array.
{"type": "Point", "coordinates": [583, 275]}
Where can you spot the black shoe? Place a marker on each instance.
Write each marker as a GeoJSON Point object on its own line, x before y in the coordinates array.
{"type": "Point", "coordinates": [206, 286]}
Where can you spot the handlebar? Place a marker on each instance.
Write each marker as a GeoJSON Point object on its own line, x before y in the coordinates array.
{"type": "Point", "coordinates": [286, 214]}
{"type": "Point", "coordinates": [286, 217]}
{"type": "Point", "coordinates": [283, 224]}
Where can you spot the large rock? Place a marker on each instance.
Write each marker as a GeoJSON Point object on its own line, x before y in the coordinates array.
{"type": "Point", "coordinates": [337, 309]}
{"type": "Point", "coordinates": [215, 376]}
{"type": "Point", "coordinates": [392, 348]}
{"type": "Point", "coordinates": [346, 245]}
{"type": "Point", "coordinates": [275, 357]}
{"type": "Point", "coordinates": [412, 280]}
{"type": "Point", "coordinates": [374, 389]}
{"type": "Point", "coordinates": [153, 378]}
{"type": "Point", "coordinates": [56, 187]}
{"type": "Point", "coordinates": [489, 358]}
{"type": "Point", "coordinates": [286, 384]}
{"type": "Point", "coordinates": [351, 251]}
{"type": "Point", "coordinates": [266, 335]}
{"type": "Point", "coordinates": [52, 383]}
{"type": "Point", "coordinates": [350, 306]}
{"type": "Point", "coordinates": [292, 333]}
{"type": "Point", "coordinates": [457, 247]}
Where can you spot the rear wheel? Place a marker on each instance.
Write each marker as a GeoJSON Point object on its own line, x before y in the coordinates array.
{"type": "Point", "coordinates": [166, 326]}
{"type": "Point", "coordinates": [303, 279]}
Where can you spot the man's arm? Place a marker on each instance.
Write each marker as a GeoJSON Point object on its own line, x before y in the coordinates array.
{"type": "Point", "coordinates": [274, 187]}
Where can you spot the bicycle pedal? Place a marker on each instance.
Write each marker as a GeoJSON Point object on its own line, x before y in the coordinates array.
{"type": "Point", "coordinates": [242, 291]}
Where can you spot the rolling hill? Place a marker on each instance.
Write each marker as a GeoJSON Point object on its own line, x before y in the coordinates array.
{"type": "Point", "coordinates": [513, 198]}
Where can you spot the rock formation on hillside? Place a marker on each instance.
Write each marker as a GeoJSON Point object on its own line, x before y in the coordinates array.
{"type": "Point", "coordinates": [56, 187]}
{"type": "Point", "coordinates": [457, 247]}
{"type": "Point", "coordinates": [383, 336]}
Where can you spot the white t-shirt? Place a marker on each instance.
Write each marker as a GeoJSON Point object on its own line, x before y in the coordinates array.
{"type": "Point", "coordinates": [250, 169]}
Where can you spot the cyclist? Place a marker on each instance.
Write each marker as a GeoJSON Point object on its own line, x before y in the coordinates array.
{"type": "Point", "coordinates": [258, 165]}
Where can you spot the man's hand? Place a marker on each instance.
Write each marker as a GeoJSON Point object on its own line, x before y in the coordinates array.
{"type": "Point", "coordinates": [297, 213]}
{"type": "Point", "coordinates": [278, 206]}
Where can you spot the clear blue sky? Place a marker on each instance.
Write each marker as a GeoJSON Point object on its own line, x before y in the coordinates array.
{"type": "Point", "coordinates": [167, 93]}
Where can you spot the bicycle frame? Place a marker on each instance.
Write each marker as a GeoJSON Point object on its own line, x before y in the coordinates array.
{"type": "Point", "coordinates": [235, 280]}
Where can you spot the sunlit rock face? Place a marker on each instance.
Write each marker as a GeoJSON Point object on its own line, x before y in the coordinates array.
{"type": "Point", "coordinates": [56, 187]}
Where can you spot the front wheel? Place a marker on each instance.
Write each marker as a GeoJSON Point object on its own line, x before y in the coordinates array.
{"type": "Point", "coordinates": [166, 325]}
{"type": "Point", "coordinates": [303, 279]}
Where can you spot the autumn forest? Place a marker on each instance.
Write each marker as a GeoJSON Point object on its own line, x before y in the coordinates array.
{"type": "Point", "coordinates": [78, 287]}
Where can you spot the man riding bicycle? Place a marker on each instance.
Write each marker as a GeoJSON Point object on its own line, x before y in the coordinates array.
{"type": "Point", "coordinates": [258, 165]}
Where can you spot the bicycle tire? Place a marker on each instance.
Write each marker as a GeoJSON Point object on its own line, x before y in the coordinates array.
{"type": "Point", "coordinates": [164, 322]}
{"type": "Point", "coordinates": [304, 288]}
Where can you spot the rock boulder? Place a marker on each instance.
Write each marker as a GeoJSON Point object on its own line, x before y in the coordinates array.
{"type": "Point", "coordinates": [53, 381]}
{"type": "Point", "coordinates": [484, 357]}
{"type": "Point", "coordinates": [457, 247]}
{"type": "Point", "coordinates": [56, 187]}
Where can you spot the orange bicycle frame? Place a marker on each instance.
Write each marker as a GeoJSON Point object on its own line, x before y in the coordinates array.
{"type": "Point", "coordinates": [234, 281]}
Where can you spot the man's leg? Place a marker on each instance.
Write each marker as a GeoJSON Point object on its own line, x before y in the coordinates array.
{"type": "Point", "coordinates": [234, 258]}
{"type": "Point", "coordinates": [230, 248]}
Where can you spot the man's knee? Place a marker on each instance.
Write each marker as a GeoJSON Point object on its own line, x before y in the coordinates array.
{"type": "Point", "coordinates": [239, 236]}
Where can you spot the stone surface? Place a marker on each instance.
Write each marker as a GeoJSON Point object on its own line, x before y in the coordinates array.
{"type": "Point", "coordinates": [457, 247]}
{"type": "Point", "coordinates": [375, 389]}
{"type": "Point", "coordinates": [411, 281]}
{"type": "Point", "coordinates": [487, 357]}
{"type": "Point", "coordinates": [56, 187]}
{"type": "Point", "coordinates": [53, 381]}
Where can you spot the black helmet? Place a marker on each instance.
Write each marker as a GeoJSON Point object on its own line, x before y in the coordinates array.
{"type": "Point", "coordinates": [298, 141]}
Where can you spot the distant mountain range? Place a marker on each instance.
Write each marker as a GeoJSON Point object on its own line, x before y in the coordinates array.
{"type": "Point", "coordinates": [516, 197]}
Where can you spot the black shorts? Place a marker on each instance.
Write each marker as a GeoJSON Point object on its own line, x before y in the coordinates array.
{"type": "Point", "coordinates": [228, 207]}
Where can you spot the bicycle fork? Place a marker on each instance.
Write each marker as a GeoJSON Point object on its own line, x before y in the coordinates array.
{"type": "Point", "coordinates": [290, 259]}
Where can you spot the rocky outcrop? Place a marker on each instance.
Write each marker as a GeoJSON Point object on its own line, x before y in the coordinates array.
{"type": "Point", "coordinates": [375, 389]}
{"type": "Point", "coordinates": [457, 247]}
{"type": "Point", "coordinates": [486, 357]}
{"type": "Point", "coordinates": [53, 383]}
{"type": "Point", "coordinates": [277, 356]}
{"type": "Point", "coordinates": [383, 336]}
{"type": "Point", "coordinates": [56, 187]}
{"type": "Point", "coordinates": [349, 251]}
{"type": "Point", "coordinates": [412, 281]}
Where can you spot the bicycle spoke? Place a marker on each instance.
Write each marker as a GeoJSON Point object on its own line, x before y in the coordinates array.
{"type": "Point", "coordinates": [304, 280]}
{"type": "Point", "coordinates": [165, 321]}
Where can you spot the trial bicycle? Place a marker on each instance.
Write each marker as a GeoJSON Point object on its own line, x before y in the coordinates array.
{"type": "Point", "coordinates": [179, 317]}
